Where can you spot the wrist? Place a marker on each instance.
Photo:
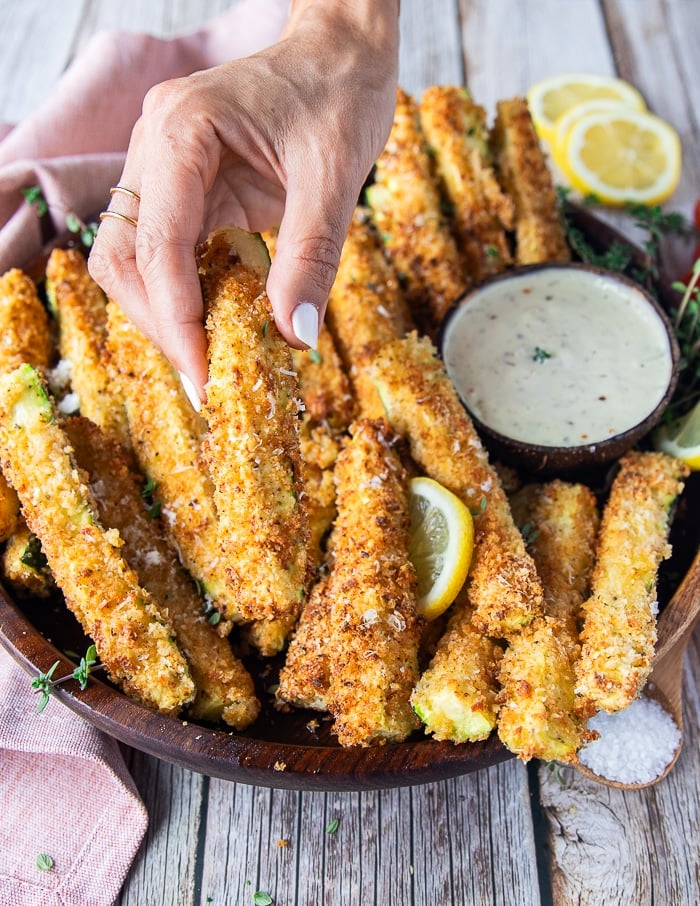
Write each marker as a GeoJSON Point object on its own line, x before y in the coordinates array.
{"type": "Point", "coordinates": [374, 21]}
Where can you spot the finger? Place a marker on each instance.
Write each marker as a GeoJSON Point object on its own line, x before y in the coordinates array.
{"type": "Point", "coordinates": [307, 253]}
{"type": "Point", "coordinates": [112, 260]}
{"type": "Point", "coordinates": [170, 220]}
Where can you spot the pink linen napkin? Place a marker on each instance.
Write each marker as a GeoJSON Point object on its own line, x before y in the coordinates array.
{"type": "Point", "coordinates": [65, 793]}
{"type": "Point", "coordinates": [64, 789]}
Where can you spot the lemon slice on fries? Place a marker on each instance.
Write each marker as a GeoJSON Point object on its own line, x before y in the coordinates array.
{"type": "Point", "coordinates": [682, 438]}
{"type": "Point", "coordinates": [551, 98]}
{"type": "Point", "coordinates": [442, 538]}
{"type": "Point", "coordinates": [622, 155]}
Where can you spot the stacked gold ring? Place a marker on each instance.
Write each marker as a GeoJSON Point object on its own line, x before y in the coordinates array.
{"type": "Point", "coordinates": [122, 190]}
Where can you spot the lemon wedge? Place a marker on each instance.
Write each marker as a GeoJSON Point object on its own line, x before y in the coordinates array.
{"type": "Point", "coordinates": [441, 543]}
{"type": "Point", "coordinates": [551, 98]}
{"type": "Point", "coordinates": [621, 156]}
{"type": "Point", "coordinates": [682, 438]}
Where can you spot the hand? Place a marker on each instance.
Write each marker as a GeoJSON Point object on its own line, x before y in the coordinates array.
{"type": "Point", "coordinates": [286, 136]}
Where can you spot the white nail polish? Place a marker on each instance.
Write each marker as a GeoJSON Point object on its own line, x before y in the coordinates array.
{"type": "Point", "coordinates": [305, 324]}
{"type": "Point", "coordinates": [191, 391]}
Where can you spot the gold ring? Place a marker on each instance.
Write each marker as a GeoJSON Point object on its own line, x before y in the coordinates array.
{"type": "Point", "coordinates": [125, 191]}
{"type": "Point", "coordinates": [118, 216]}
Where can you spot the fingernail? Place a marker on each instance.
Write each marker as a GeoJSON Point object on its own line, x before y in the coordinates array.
{"type": "Point", "coordinates": [305, 324]}
{"type": "Point", "coordinates": [191, 392]}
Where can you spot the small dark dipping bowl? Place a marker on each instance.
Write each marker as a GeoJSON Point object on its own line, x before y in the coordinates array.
{"type": "Point", "coordinates": [562, 367]}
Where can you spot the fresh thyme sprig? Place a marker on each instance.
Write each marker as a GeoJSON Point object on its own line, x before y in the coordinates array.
{"type": "Point", "coordinates": [74, 224]}
{"type": "Point", "coordinates": [44, 682]}
{"type": "Point", "coordinates": [620, 257]}
{"type": "Point", "coordinates": [686, 324]}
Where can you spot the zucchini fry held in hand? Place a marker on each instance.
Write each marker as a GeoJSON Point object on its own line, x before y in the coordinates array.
{"type": "Point", "coordinates": [619, 628]}
{"type": "Point", "coordinates": [133, 638]}
{"type": "Point", "coordinates": [80, 308]}
{"type": "Point", "coordinates": [524, 174]}
{"type": "Point", "coordinates": [406, 207]}
{"type": "Point", "coordinates": [455, 128]}
{"type": "Point", "coordinates": [166, 436]}
{"type": "Point", "coordinates": [252, 447]}
{"type": "Point", "coordinates": [224, 686]}
{"type": "Point", "coordinates": [537, 716]}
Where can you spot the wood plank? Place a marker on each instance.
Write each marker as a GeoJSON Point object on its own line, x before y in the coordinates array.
{"type": "Point", "coordinates": [157, 17]}
{"type": "Point", "coordinates": [426, 844]}
{"type": "Point", "coordinates": [37, 43]}
{"type": "Point", "coordinates": [429, 52]}
{"type": "Point", "coordinates": [631, 848]}
{"type": "Point", "coordinates": [510, 45]}
{"type": "Point", "coordinates": [165, 869]}
{"type": "Point", "coordinates": [645, 32]}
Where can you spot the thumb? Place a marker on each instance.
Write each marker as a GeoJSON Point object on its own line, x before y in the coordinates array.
{"type": "Point", "coordinates": [305, 263]}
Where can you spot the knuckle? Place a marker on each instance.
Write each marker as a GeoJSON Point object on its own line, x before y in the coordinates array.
{"type": "Point", "coordinates": [319, 259]}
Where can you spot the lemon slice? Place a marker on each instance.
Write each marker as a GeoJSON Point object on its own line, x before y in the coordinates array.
{"type": "Point", "coordinates": [442, 538]}
{"type": "Point", "coordinates": [551, 98]}
{"type": "Point", "coordinates": [567, 120]}
{"type": "Point", "coordinates": [621, 156]}
{"type": "Point", "coordinates": [682, 438]}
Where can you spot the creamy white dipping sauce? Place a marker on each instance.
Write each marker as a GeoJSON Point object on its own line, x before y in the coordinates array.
{"type": "Point", "coordinates": [558, 357]}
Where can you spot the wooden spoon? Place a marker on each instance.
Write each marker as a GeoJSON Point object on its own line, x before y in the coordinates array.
{"type": "Point", "coordinates": [665, 683]}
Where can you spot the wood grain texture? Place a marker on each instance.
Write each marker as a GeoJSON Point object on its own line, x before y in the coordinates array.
{"type": "Point", "coordinates": [631, 848]}
{"type": "Point", "coordinates": [473, 839]}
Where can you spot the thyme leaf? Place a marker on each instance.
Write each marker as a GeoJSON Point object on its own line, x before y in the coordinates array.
{"type": "Point", "coordinates": [44, 862]}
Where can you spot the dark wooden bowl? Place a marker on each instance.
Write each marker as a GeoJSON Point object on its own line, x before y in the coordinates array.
{"type": "Point", "coordinates": [280, 750]}
{"type": "Point", "coordinates": [543, 460]}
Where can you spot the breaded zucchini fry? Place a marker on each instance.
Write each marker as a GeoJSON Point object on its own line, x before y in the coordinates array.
{"type": "Point", "coordinates": [133, 638]}
{"type": "Point", "coordinates": [324, 387]}
{"type": "Point", "coordinates": [366, 308]}
{"type": "Point", "coordinates": [224, 686]}
{"type": "Point", "coordinates": [455, 128]}
{"type": "Point", "coordinates": [406, 207]}
{"type": "Point", "coordinates": [80, 307]}
{"type": "Point", "coordinates": [167, 437]}
{"type": "Point", "coordinates": [375, 630]}
{"type": "Point", "coordinates": [536, 717]}
{"type": "Point", "coordinates": [422, 404]}
{"type": "Point", "coordinates": [303, 680]}
{"type": "Point", "coordinates": [24, 566]}
{"type": "Point", "coordinates": [524, 174]}
{"type": "Point", "coordinates": [456, 696]}
{"type": "Point", "coordinates": [559, 522]}
{"type": "Point", "coordinates": [619, 629]}
{"type": "Point", "coordinates": [25, 336]}
{"type": "Point", "coordinates": [252, 448]}
{"type": "Point", "coordinates": [25, 331]}
{"type": "Point", "coordinates": [9, 509]}
{"type": "Point", "coordinates": [328, 405]}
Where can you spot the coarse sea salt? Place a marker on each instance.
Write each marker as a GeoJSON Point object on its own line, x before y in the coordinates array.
{"type": "Point", "coordinates": [635, 746]}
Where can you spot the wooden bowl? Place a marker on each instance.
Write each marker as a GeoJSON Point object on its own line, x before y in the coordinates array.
{"type": "Point", "coordinates": [287, 750]}
{"type": "Point", "coordinates": [489, 304]}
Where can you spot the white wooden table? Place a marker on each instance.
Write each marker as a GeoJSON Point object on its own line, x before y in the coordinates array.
{"type": "Point", "coordinates": [508, 835]}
